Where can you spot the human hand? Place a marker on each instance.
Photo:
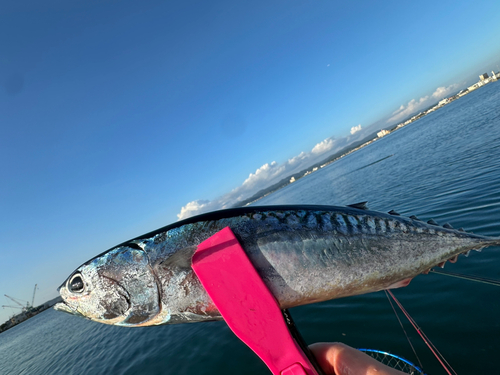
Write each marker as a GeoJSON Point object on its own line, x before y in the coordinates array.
{"type": "Point", "coordinates": [340, 359]}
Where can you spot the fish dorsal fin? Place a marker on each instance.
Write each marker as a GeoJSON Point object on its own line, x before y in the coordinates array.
{"type": "Point", "coordinates": [447, 226]}
{"type": "Point", "coordinates": [359, 206]}
{"type": "Point", "coordinates": [432, 222]}
{"type": "Point", "coordinates": [392, 212]}
{"type": "Point", "coordinates": [413, 217]}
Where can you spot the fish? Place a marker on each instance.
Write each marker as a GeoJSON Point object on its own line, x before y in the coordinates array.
{"type": "Point", "coordinates": [304, 254]}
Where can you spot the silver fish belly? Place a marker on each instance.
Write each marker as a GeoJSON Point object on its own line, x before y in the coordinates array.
{"type": "Point", "coordinates": [304, 254]}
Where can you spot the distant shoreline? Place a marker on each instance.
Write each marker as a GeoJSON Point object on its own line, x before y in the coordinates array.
{"type": "Point", "coordinates": [25, 315]}
{"type": "Point", "coordinates": [363, 143]}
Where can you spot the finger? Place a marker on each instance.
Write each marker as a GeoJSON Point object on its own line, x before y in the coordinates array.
{"type": "Point", "coordinates": [340, 359]}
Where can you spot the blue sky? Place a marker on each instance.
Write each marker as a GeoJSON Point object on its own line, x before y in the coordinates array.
{"type": "Point", "coordinates": [115, 115]}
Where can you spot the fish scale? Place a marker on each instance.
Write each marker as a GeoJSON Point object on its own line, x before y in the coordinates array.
{"type": "Point", "coordinates": [304, 254]}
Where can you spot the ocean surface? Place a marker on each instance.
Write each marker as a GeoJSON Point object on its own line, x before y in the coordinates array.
{"type": "Point", "coordinates": [445, 166]}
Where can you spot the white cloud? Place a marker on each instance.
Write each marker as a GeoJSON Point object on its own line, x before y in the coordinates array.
{"type": "Point", "coordinates": [194, 208]}
{"type": "Point", "coordinates": [355, 129]}
{"type": "Point", "coordinates": [266, 172]}
{"type": "Point", "coordinates": [441, 92]}
{"type": "Point", "coordinates": [414, 105]}
{"type": "Point", "coordinates": [265, 176]}
{"type": "Point", "coordinates": [323, 146]}
{"type": "Point", "coordinates": [297, 159]}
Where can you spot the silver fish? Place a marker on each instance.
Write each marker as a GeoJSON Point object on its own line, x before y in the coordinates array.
{"type": "Point", "coordinates": [304, 254]}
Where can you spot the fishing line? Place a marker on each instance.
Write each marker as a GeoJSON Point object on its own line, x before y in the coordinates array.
{"type": "Point", "coordinates": [429, 344]}
{"type": "Point", "coordinates": [403, 328]}
{"type": "Point", "coordinates": [477, 279]}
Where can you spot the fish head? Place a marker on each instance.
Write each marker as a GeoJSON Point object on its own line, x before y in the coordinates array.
{"type": "Point", "coordinates": [118, 287]}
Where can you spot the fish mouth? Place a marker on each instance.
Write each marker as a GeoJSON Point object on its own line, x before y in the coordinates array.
{"type": "Point", "coordinates": [61, 306]}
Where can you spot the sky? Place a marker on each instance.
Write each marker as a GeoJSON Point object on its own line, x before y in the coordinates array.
{"type": "Point", "coordinates": [120, 117]}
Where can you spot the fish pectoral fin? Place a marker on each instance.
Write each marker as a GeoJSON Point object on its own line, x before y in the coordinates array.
{"type": "Point", "coordinates": [400, 284]}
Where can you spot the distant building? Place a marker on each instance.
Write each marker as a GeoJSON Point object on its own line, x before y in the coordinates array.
{"type": "Point", "coordinates": [473, 87]}
{"type": "Point", "coordinates": [383, 132]}
{"type": "Point", "coordinates": [443, 102]}
{"type": "Point", "coordinates": [484, 76]}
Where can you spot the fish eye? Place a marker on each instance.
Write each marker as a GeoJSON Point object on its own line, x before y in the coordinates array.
{"type": "Point", "coordinates": [75, 284]}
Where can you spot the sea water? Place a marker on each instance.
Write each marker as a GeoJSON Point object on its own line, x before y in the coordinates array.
{"type": "Point", "coordinates": [445, 166]}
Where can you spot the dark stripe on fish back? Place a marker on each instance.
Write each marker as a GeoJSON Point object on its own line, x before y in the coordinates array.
{"type": "Point", "coordinates": [344, 220]}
